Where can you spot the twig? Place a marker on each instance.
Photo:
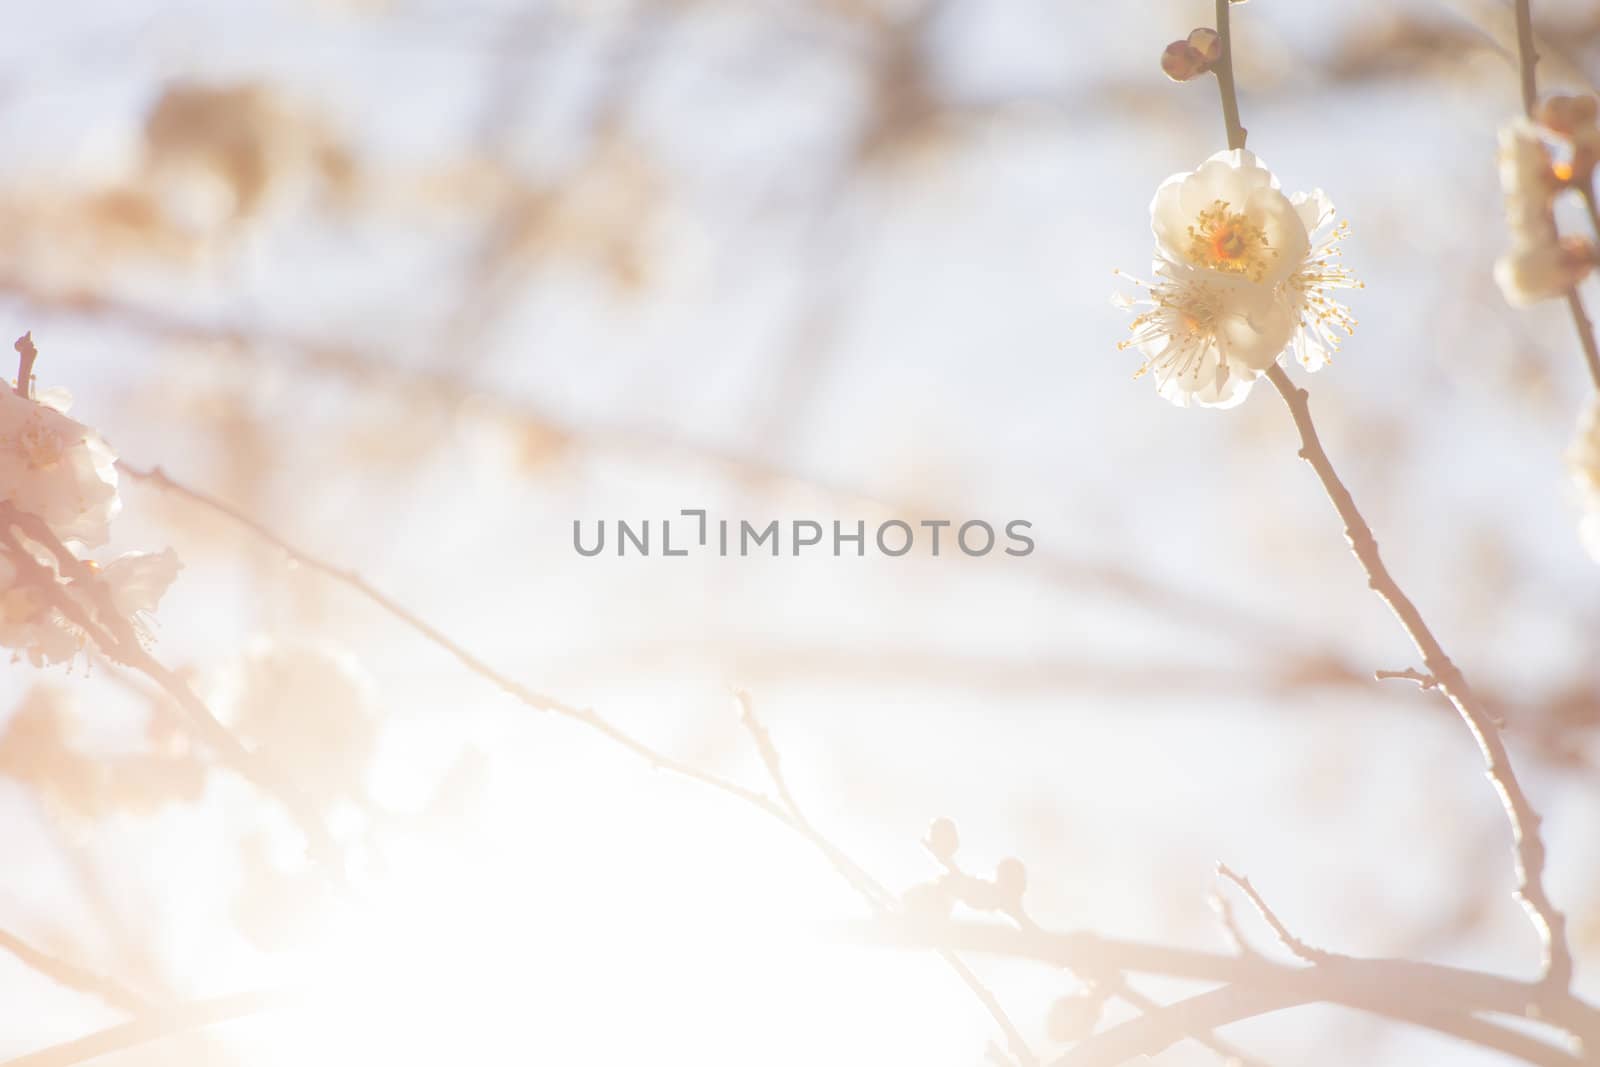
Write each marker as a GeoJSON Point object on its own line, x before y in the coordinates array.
{"type": "Point", "coordinates": [1410, 674]}
{"type": "Point", "coordinates": [1285, 938]}
{"type": "Point", "coordinates": [1224, 71]}
{"type": "Point", "coordinates": [26, 354]}
{"type": "Point", "coordinates": [1527, 57]}
{"type": "Point", "coordinates": [1223, 907]}
{"type": "Point", "coordinates": [1528, 850]}
{"type": "Point", "coordinates": [155, 1026]}
{"type": "Point", "coordinates": [73, 977]}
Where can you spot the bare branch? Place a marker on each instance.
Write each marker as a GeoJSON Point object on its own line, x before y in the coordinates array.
{"type": "Point", "coordinates": [1528, 845]}
{"type": "Point", "coordinates": [1404, 990]}
{"type": "Point", "coordinates": [1288, 940]}
{"type": "Point", "coordinates": [154, 1026]}
{"type": "Point", "coordinates": [73, 977]}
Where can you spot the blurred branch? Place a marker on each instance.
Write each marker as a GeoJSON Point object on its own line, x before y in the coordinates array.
{"type": "Point", "coordinates": [1443, 999]}
{"type": "Point", "coordinates": [153, 1026]}
{"type": "Point", "coordinates": [73, 977]}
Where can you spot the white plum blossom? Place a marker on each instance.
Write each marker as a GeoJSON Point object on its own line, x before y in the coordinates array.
{"type": "Point", "coordinates": [55, 468]}
{"type": "Point", "coordinates": [1238, 280]}
{"type": "Point", "coordinates": [34, 627]}
{"type": "Point", "coordinates": [1320, 319]}
{"type": "Point", "coordinates": [1531, 273]}
{"type": "Point", "coordinates": [308, 705]}
{"type": "Point", "coordinates": [1583, 463]}
{"type": "Point", "coordinates": [1229, 217]}
{"type": "Point", "coordinates": [62, 474]}
{"type": "Point", "coordinates": [1541, 265]}
{"type": "Point", "coordinates": [1205, 336]}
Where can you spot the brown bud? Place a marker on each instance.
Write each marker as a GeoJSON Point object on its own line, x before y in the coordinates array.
{"type": "Point", "coordinates": [1567, 114]}
{"type": "Point", "coordinates": [1181, 61]}
{"type": "Point", "coordinates": [1207, 43]}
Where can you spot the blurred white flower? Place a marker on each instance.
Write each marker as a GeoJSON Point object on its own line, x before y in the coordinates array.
{"type": "Point", "coordinates": [55, 468]}
{"type": "Point", "coordinates": [1583, 463]}
{"type": "Point", "coordinates": [1206, 335]}
{"type": "Point", "coordinates": [1541, 265]}
{"type": "Point", "coordinates": [33, 627]}
{"type": "Point", "coordinates": [1230, 218]}
{"type": "Point", "coordinates": [1529, 183]}
{"type": "Point", "coordinates": [308, 706]}
{"type": "Point", "coordinates": [1319, 318]}
{"type": "Point", "coordinates": [1531, 273]}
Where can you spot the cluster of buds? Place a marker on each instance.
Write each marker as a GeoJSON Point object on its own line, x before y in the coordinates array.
{"type": "Point", "coordinates": [1540, 159]}
{"type": "Point", "coordinates": [1193, 56]}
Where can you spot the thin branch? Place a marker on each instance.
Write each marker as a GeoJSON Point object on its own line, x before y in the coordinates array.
{"type": "Point", "coordinates": [1155, 1031]}
{"type": "Point", "coordinates": [27, 354]}
{"type": "Point", "coordinates": [1527, 57]}
{"type": "Point", "coordinates": [1288, 940]}
{"type": "Point", "coordinates": [172, 1022]}
{"type": "Point", "coordinates": [1528, 846]}
{"type": "Point", "coordinates": [73, 977]}
{"type": "Point", "coordinates": [1223, 908]}
{"type": "Point", "coordinates": [1224, 71]}
{"type": "Point", "coordinates": [1585, 328]}
{"type": "Point", "coordinates": [1410, 674]}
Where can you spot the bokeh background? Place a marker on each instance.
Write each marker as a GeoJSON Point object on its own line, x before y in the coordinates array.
{"type": "Point", "coordinates": [421, 283]}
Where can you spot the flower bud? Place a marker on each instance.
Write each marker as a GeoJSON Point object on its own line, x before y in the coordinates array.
{"type": "Point", "coordinates": [1182, 61]}
{"type": "Point", "coordinates": [1207, 43]}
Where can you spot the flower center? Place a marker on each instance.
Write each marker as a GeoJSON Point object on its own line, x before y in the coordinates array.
{"type": "Point", "coordinates": [41, 447]}
{"type": "Point", "coordinates": [1227, 241]}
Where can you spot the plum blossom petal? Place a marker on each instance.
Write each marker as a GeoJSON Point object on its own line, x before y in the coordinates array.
{"type": "Point", "coordinates": [1320, 319]}
{"type": "Point", "coordinates": [1229, 217]}
{"type": "Point", "coordinates": [1206, 336]}
{"type": "Point", "coordinates": [56, 469]}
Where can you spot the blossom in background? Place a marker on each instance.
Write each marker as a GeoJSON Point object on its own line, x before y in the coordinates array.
{"type": "Point", "coordinates": [1583, 462]}
{"type": "Point", "coordinates": [33, 625]}
{"type": "Point", "coordinates": [1239, 280]}
{"type": "Point", "coordinates": [1541, 264]}
{"type": "Point", "coordinates": [64, 474]}
{"type": "Point", "coordinates": [56, 468]}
